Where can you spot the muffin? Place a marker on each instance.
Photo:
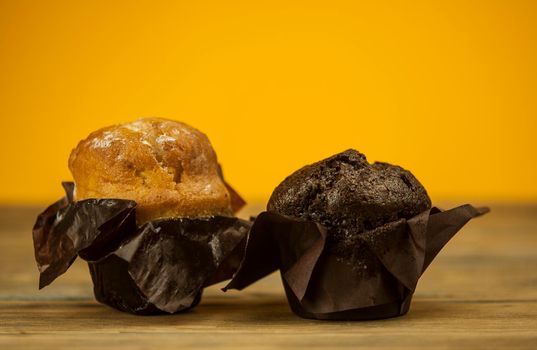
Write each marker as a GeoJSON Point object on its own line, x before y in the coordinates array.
{"type": "Point", "coordinates": [150, 212]}
{"type": "Point", "coordinates": [350, 238]}
{"type": "Point", "coordinates": [348, 196]}
{"type": "Point", "coordinates": [169, 168]}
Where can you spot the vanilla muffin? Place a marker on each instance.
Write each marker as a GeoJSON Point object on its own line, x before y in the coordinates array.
{"type": "Point", "coordinates": [169, 168]}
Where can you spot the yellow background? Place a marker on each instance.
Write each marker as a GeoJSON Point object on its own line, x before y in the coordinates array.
{"type": "Point", "coordinates": [447, 89]}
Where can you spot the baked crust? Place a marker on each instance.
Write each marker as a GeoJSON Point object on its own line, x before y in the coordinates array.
{"type": "Point", "coordinates": [169, 168]}
{"type": "Point", "coordinates": [349, 195]}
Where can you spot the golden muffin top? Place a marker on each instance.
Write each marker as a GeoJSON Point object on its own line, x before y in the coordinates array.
{"type": "Point", "coordinates": [169, 168]}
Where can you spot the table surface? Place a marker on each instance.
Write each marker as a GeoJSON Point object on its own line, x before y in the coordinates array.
{"type": "Point", "coordinates": [480, 293]}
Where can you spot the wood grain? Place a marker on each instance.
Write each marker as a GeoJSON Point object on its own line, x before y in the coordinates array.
{"type": "Point", "coordinates": [480, 293]}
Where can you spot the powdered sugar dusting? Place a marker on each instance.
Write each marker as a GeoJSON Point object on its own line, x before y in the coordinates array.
{"type": "Point", "coordinates": [105, 141]}
{"type": "Point", "coordinates": [208, 188]}
{"type": "Point", "coordinates": [183, 132]}
{"type": "Point", "coordinates": [137, 125]}
{"type": "Point", "coordinates": [165, 138]}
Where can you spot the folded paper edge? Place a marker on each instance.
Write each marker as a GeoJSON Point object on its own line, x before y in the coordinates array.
{"type": "Point", "coordinates": [67, 200]}
{"type": "Point", "coordinates": [268, 262]}
{"type": "Point", "coordinates": [443, 225]}
{"type": "Point", "coordinates": [296, 278]}
{"type": "Point", "coordinates": [187, 300]}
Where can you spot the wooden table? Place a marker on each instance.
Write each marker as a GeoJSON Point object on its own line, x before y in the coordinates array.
{"type": "Point", "coordinates": [480, 293]}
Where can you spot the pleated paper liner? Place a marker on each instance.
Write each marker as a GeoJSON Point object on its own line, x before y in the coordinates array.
{"type": "Point", "coordinates": [159, 267]}
{"type": "Point", "coordinates": [320, 284]}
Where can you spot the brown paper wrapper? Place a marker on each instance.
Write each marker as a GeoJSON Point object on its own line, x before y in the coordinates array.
{"type": "Point", "coordinates": [159, 267]}
{"type": "Point", "coordinates": [320, 284]}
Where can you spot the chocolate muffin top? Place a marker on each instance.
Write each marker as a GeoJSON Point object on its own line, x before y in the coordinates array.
{"type": "Point", "coordinates": [349, 196]}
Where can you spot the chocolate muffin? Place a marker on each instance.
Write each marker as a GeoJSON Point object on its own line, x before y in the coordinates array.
{"type": "Point", "coordinates": [348, 195]}
{"type": "Point", "coordinates": [351, 239]}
